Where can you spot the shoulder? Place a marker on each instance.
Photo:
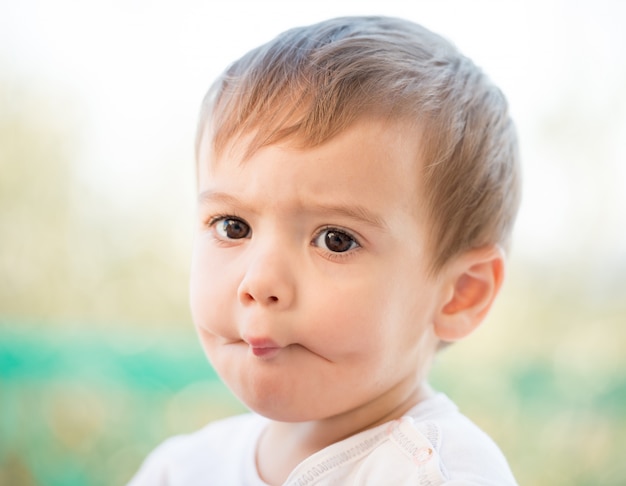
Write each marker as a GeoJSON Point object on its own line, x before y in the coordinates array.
{"type": "Point", "coordinates": [218, 447]}
{"type": "Point", "coordinates": [467, 455]}
{"type": "Point", "coordinates": [433, 444]}
{"type": "Point", "coordinates": [216, 436]}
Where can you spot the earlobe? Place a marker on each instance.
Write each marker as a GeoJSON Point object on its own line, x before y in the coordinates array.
{"type": "Point", "coordinates": [472, 282]}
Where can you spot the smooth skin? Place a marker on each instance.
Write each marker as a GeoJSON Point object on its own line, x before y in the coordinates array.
{"type": "Point", "coordinates": [310, 287]}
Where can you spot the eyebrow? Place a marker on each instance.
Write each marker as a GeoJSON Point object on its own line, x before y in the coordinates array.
{"type": "Point", "coordinates": [219, 197]}
{"type": "Point", "coordinates": [354, 212]}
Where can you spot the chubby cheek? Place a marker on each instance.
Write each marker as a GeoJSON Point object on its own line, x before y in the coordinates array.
{"type": "Point", "coordinates": [208, 296]}
{"type": "Point", "coordinates": [346, 326]}
{"type": "Point", "coordinates": [365, 327]}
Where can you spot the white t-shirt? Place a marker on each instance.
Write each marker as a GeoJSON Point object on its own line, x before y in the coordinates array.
{"type": "Point", "coordinates": [432, 444]}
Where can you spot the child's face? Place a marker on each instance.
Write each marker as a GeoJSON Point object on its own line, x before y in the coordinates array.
{"type": "Point", "coordinates": [309, 284]}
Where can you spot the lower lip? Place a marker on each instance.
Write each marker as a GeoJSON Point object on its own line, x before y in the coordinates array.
{"type": "Point", "coordinates": [266, 353]}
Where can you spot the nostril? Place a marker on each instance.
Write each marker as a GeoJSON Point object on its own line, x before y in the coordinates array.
{"type": "Point", "coordinates": [273, 298]}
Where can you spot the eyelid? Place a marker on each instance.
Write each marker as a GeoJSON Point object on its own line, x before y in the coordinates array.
{"type": "Point", "coordinates": [338, 229]}
{"type": "Point", "coordinates": [212, 220]}
{"type": "Point", "coordinates": [211, 224]}
{"type": "Point", "coordinates": [332, 255]}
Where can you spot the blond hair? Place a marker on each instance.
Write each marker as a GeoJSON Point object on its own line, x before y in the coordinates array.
{"type": "Point", "coordinates": [310, 83]}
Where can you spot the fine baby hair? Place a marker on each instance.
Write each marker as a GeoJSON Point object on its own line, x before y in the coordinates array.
{"type": "Point", "coordinates": [310, 83]}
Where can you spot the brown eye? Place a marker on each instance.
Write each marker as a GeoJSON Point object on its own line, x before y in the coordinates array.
{"type": "Point", "coordinates": [335, 241]}
{"type": "Point", "coordinates": [232, 229]}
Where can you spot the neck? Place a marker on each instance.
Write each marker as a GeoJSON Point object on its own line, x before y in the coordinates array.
{"type": "Point", "coordinates": [296, 441]}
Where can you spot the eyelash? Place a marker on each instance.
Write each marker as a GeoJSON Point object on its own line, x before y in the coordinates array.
{"type": "Point", "coordinates": [214, 220]}
{"type": "Point", "coordinates": [332, 255]}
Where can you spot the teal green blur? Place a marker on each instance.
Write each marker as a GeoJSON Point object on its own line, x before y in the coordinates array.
{"type": "Point", "coordinates": [84, 407]}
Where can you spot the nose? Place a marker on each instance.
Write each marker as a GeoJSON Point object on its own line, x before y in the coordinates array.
{"type": "Point", "coordinates": [269, 279]}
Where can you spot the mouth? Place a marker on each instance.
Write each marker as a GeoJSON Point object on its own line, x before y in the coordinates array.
{"type": "Point", "coordinates": [263, 348]}
{"type": "Point", "coordinates": [266, 353]}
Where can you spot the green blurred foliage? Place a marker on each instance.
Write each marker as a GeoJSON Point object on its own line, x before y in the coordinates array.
{"type": "Point", "coordinates": [81, 407]}
{"type": "Point", "coordinates": [99, 363]}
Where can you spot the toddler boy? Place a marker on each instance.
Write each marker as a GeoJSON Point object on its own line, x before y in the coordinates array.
{"type": "Point", "coordinates": [358, 181]}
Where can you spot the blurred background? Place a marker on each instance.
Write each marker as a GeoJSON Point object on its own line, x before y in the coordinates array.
{"type": "Point", "coordinates": [98, 357]}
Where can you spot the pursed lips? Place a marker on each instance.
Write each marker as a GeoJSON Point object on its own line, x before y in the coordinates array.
{"type": "Point", "coordinates": [263, 347]}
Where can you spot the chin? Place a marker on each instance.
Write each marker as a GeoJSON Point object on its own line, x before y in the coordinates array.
{"type": "Point", "coordinates": [274, 408]}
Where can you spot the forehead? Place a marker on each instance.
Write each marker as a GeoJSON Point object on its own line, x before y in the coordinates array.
{"type": "Point", "coordinates": [391, 135]}
{"type": "Point", "coordinates": [373, 163]}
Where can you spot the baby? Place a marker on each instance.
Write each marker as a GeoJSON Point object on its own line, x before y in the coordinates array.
{"type": "Point", "coordinates": [357, 186]}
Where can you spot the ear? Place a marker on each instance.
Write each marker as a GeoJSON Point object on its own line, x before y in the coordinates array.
{"type": "Point", "coordinates": [471, 283]}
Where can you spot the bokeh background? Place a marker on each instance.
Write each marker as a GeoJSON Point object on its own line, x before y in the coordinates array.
{"type": "Point", "coordinates": [98, 104]}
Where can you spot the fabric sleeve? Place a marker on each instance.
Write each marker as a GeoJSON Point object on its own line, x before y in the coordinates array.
{"type": "Point", "coordinates": [154, 469]}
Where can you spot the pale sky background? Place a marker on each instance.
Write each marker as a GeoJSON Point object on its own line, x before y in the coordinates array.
{"type": "Point", "coordinates": [130, 74]}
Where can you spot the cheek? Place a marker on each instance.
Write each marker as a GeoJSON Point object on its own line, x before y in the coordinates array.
{"type": "Point", "coordinates": [375, 319]}
{"type": "Point", "coordinates": [347, 322]}
{"type": "Point", "coordinates": [207, 293]}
